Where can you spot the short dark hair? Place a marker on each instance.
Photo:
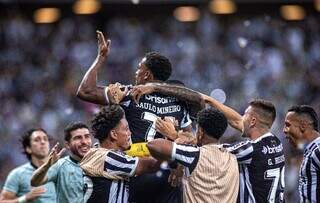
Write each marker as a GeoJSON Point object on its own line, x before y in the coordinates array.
{"type": "Point", "coordinates": [159, 65]}
{"type": "Point", "coordinates": [105, 120]}
{"type": "Point", "coordinates": [265, 109]}
{"type": "Point", "coordinates": [71, 127]}
{"type": "Point", "coordinates": [213, 122]}
{"type": "Point", "coordinates": [26, 138]}
{"type": "Point", "coordinates": [308, 111]}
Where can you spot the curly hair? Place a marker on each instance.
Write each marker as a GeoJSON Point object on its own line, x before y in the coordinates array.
{"type": "Point", "coordinates": [26, 138]}
{"type": "Point", "coordinates": [104, 121]}
{"type": "Point", "coordinates": [213, 122]}
{"type": "Point", "coordinates": [72, 127]}
{"type": "Point", "coordinates": [159, 65]}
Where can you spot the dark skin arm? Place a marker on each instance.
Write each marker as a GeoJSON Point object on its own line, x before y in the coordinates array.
{"type": "Point", "coordinates": [147, 165]}
{"type": "Point", "coordinates": [88, 89]}
{"type": "Point", "coordinates": [160, 148]}
{"type": "Point", "coordinates": [181, 93]}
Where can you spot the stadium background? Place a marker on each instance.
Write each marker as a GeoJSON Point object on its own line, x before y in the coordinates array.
{"type": "Point", "coordinates": [233, 50]}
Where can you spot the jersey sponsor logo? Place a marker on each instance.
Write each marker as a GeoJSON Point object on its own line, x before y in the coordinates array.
{"type": "Point", "coordinates": [272, 150]}
{"type": "Point", "coordinates": [160, 100]}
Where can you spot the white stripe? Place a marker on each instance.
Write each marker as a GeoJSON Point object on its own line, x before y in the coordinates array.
{"type": "Point", "coordinates": [121, 164]}
{"type": "Point", "coordinates": [187, 148]}
{"type": "Point", "coordinates": [185, 159]}
{"type": "Point", "coordinates": [120, 193]}
{"type": "Point", "coordinates": [173, 152]}
{"type": "Point", "coordinates": [185, 117]}
{"type": "Point", "coordinates": [245, 152]}
{"type": "Point", "coordinates": [248, 185]}
{"type": "Point", "coordinates": [242, 185]}
{"type": "Point", "coordinates": [113, 192]}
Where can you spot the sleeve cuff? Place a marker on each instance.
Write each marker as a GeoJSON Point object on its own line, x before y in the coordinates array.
{"type": "Point", "coordinates": [173, 152]}
{"type": "Point", "coordinates": [106, 94]}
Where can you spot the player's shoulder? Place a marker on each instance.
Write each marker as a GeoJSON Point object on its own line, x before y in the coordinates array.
{"type": "Point", "coordinates": [268, 138]}
{"type": "Point", "coordinates": [21, 169]}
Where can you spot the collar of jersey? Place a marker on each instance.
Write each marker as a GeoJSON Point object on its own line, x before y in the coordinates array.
{"type": "Point", "coordinates": [263, 136]}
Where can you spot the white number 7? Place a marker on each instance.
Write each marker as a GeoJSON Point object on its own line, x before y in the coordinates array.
{"type": "Point", "coordinates": [275, 174]}
{"type": "Point", "coordinates": [152, 118]}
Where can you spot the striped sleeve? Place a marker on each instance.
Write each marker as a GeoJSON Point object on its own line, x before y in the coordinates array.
{"type": "Point", "coordinates": [120, 164]}
{"type": "Point", "coordinates": [243, 151]}
{"type": "Point", "coordinates": [186, 155]}
{"type": "Point", "coordinates": [316, 159]}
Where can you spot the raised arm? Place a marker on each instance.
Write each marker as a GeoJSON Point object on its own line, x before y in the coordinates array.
{"type": "Point", "coordinates": [39, 177]}
{"type": "Point", "coordinates": [88, 89]}
{"type": "Point", "coordinates": [234, 118]}
{"type": "Point", "coordinates": [181, 93]}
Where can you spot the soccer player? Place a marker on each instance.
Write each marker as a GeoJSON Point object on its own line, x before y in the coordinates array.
{"type": "Point", "coordinates": [261, 158]}
{"type": "Point", "coordinates": [108, 169]}
{"type": "Point", "coordinates": [66, 173]}
{"type": "Point", "coordinates": [17, 187]}
{"type": "Point", "coordinates": [302, 129]}
{"type": "Point", "coordinates": [211, 172]}
{"type": "Point", "coordinates": [142, 115]}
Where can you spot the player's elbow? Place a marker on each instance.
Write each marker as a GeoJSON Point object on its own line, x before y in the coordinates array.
{"type": "Point", "coordinates": [151, 146]}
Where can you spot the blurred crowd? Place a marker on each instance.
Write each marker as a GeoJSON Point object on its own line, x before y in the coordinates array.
{"type": "Point", "coordinates": [245, 57]}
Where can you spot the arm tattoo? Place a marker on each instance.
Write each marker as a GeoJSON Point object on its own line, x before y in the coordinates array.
{"type": "Point", "coordinates": [181, 93]}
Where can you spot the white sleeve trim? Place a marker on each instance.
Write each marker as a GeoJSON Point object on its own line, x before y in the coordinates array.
{"type": "Point", "coordinates": [173, 152]}
{"type": "Point", "coordinates": [132, 173]}
{"type": "Point", "coordinates": [106, 89]}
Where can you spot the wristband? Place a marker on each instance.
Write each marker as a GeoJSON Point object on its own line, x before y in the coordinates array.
{"type": "Point", "coordinates": [22, 199]}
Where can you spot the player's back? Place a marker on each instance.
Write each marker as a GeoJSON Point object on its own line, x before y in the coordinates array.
{"type": "Point", "coordinates": [142, 116]}
{"type": "Point", "coordinates": [264, 175]}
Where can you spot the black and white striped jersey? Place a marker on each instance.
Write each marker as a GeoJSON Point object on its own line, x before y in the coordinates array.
{"type": "Point", "coordinates": [186, 155]}
{"type": "Point", "coordinates": [105, 190]}
{"type": "Point", "coordinates": [142, 116]}
{"type": "Point", "coordinates": [262, 166]}
{"type": "Point", "coordinates": [309, 180]}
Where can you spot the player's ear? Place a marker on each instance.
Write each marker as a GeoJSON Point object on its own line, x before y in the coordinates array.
{"type": "Point", "coordinates": [253, 121]}
{"type": "Point", "coordinates": [66, 145]}
{"type": "Point", "coordinates": [113, 135]}
{"type": "Point", "coordinates": [148, 75]}
{"type": "Point", "coordinates": [28, 150]}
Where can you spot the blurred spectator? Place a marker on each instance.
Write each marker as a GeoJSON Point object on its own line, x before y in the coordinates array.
{"type": "Point", "coordinates": [246, 57]}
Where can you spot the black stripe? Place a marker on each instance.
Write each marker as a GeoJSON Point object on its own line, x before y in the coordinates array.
{"type": "Point", "coordinates": [186, 153]}
{"type": "Point", "coordinates": [118, 188]}
{"type": "Point", "coordinates": [317, 154]}
{"type": "Point", "coordinates": [119, 158]}
{"type": "Point", "coordinates": [194, 162]}
{"type": "Point", "coordinates": [309, 178]}
{"type": "Point", "coordinates": [108, 166]}
{"type": "Point", "coordinates": [244, 158]}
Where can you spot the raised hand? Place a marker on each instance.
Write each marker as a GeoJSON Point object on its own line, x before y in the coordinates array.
{"type": "Point", "coordinates": [116, 92]}
{"type": "Point", "coordinates": [175, 177]}
{"type": "Point", "coordinates": [55, 154]}
{"type": "Point", "coordinates": [186, 138]}
{"type": "Point", "coordinates": [139, 90]}
{"type": "Point", "coordinates": [35, 192]}
{"type": "Point", "coordinates": [166, 128]}
{"type": "Point", "coordinates": [103, 45]}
